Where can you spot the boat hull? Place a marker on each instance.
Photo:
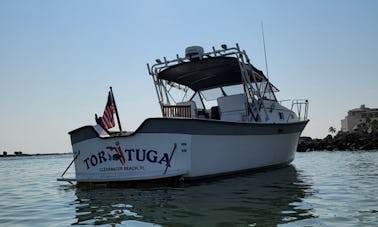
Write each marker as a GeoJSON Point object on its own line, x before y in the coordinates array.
{"type": "Point", "coordinates": [190, 148]}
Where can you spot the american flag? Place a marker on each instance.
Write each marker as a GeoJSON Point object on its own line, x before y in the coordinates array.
{"type": "Point", "coordinates": [107, 120]}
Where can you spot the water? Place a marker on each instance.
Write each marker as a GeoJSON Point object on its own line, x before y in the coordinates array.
{"type": "Point", "coordinates": [319, 189]}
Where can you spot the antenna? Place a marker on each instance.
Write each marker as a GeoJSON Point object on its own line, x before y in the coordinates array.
{"type": "Point", "coordinates": [266, 62]}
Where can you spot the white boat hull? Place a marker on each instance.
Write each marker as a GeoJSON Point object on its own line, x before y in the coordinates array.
{"type": "Point", "coordinates": [213, 155]}
{"type": "Point", "coordinates": [198, 149]}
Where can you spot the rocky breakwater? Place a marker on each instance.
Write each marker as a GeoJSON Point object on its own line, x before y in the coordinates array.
{"type": "Point", "coordinates": [342, 141]}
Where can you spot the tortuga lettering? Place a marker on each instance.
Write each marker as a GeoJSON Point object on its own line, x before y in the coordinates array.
{"type": "Point", "coordinates": [127, 155]}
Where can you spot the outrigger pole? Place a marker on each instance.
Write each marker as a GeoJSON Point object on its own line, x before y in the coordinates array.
{"type": "Point", "coordinates": [266, 61]}
{"type": "Point", "coordinates": [116, 110]}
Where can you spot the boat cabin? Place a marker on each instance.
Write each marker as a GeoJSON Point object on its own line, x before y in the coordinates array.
{"type": "Point", "coordinates": [218, 85]}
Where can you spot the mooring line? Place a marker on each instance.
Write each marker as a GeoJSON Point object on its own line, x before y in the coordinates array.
{"type": "Point", "coordinates": [71, 163]}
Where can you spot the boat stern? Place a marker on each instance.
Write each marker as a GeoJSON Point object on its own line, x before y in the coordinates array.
{"type": "Point", "coordinates": [140, 156]}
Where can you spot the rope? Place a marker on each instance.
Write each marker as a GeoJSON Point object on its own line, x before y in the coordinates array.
{"type": "Point", "coordinates": [71, 163]}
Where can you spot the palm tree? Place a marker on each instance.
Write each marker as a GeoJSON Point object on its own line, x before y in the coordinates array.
{"type": "Point", "coordinates": [362, 127]}
{"type": "Point", "coordinates": [374, 125]}
{"type": "Point", "coordinates": [332, 130]}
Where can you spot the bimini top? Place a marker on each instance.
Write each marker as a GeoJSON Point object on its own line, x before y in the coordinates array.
{"type": "Point", "coordinates": [209, 73]}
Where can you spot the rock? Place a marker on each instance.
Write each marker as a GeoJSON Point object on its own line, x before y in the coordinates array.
{"type": "Point", "coordinates": [340, 142]}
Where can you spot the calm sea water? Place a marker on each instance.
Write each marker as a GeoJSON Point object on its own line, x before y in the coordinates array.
{"type": "Point", "coordinates": [319, 189]}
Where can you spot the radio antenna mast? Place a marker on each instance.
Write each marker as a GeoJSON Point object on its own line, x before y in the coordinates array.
{"type": "Point", "coordinates": [266, 62]}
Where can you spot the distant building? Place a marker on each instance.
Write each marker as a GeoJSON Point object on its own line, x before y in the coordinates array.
{"type": "Point", "coordinates": [358, 116]}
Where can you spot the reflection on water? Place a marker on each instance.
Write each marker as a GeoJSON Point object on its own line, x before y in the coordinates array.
{"type": "Point", "coordinates": [259, 199]}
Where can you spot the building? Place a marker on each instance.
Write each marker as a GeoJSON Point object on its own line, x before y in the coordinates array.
{"type": "Point", "coordinates": [358, 116]}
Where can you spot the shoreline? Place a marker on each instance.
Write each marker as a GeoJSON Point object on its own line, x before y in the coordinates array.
{"type": "Point", "coordinates": [342, 141]}
{"type": "Point", "coordinates": [31, 155]}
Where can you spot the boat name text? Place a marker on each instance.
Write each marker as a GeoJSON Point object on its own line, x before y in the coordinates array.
{"type": "Point", "coordinates": [126, 155]}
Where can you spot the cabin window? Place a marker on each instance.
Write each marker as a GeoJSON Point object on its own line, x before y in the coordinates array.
{"type": "Point", "coordinates": [281, 115]}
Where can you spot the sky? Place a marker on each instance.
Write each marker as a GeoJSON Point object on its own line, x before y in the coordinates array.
{"type": "Point", "coordinates": [58, 58]}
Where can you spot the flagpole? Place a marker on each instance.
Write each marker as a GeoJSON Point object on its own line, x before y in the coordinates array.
{"type": "Point", "coordinates": [116, 111]}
